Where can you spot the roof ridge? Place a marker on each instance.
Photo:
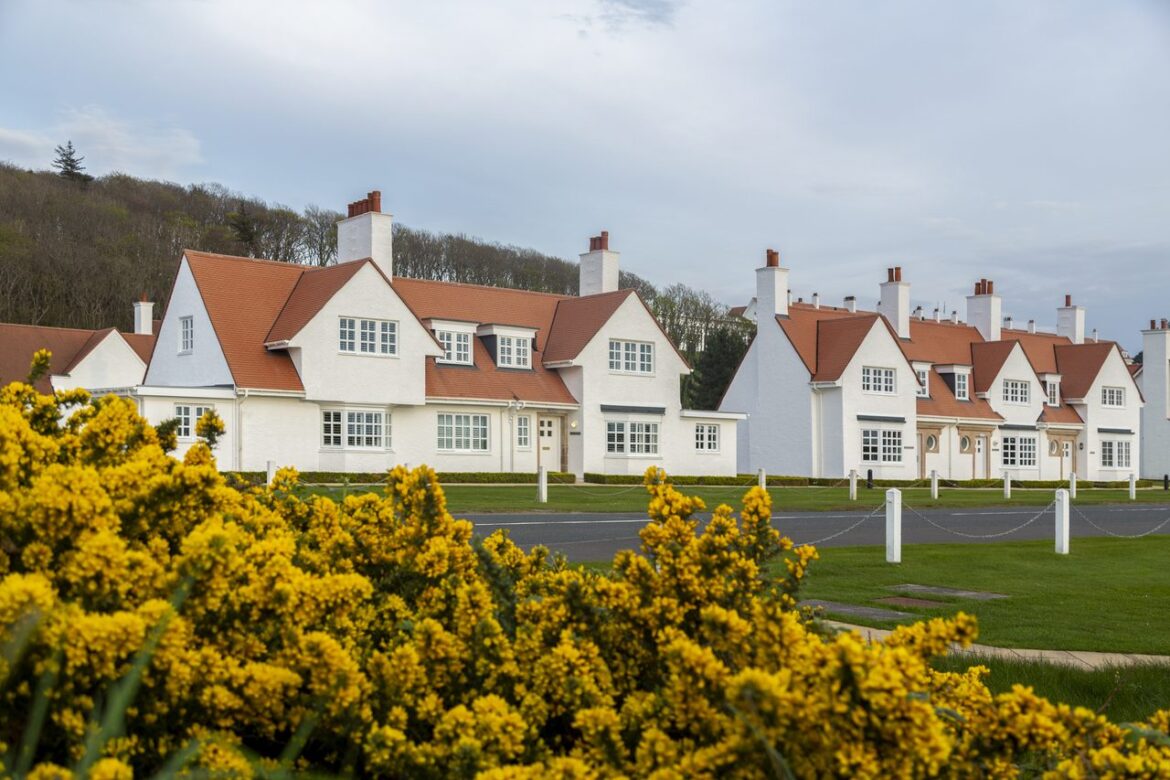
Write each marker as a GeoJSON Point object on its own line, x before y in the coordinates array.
{"type": "Point", "coordinates": [560, 296]}
{"type": "Point", "coordinates": [263, 260]}
{"type": "Point", "coordinates": [49, 327]}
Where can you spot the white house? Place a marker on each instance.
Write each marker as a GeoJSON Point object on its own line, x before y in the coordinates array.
{"type": "Point", "coordinates": [1153, 376]}
{"type": "Point", "coordinates": [832, 389]}
{"type": "Point", "coordinates": [348, 368]}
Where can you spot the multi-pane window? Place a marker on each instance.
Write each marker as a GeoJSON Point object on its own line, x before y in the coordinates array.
{"type": "Point", "coordinates": [707, 437]}
{"type": "Point", "coordinates": [367, 337]}
{"type": "Point", "coordinates": [924, 382]}
{"type": "Point", "coordinates": [1019, 450]}
{"type": "Point", "coordinates": [1113, 396]}
{"type": "Point", "coordinates": [186, 334]}
{"type": "Point", "coordinates": [615, 436]}
{"type": "Point", "coordinates": [463, 432]}
{"type": "Point", "coordinates": [523, 432]}
{"type": "Point", "coordinates": [1015, 391]}
{"type": "Point", "coordinates": [189, 415]}
{"type": "Point", "coordinates": [1053, 389]}
{"type": "Point", "coordinates": [643, 438]}
{"type": "Point", "coordinates": [513, 351]}
{"type": "Point", "coordinates": [633, 357]}
{"type": "Point", "coordinates": [331, 429]}
{"type": "Point", "coordinates": [1115, 454]}
{"type": "Point", "coordinates": [364, 429]}
{"type": "Point", "coordinates": [456, 346]}
{"type": "Point", "coordinates": [877, 380]}
{"type": "Point", "coordinates": [962, 391]}
{"type": "Point", "coordinates": [878, 445]}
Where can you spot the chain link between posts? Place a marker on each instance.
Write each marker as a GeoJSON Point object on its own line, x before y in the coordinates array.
{"type": "Point", "coordinates": [1008, 532]}
{"type": "Point", "coordinates": [1107, 532]}
{"type": "Point", "coordinates": [843, 531]}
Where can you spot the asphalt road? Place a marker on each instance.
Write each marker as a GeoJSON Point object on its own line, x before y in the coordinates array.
{"type": "Point", "coordinates": [583, 536]}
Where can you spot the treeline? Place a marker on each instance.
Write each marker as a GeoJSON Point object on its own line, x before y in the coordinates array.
{"type": "Point", "coordinates": [76, 251]}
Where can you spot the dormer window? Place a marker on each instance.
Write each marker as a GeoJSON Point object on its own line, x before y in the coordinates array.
{"type": "Point", "coordinates": [456, 347]}
{"type": "Point", "coordinates": [186, 335]}
{"type": "Point", "coordinates": [1053, 389]}
{"type": "Point", "coordinates": [923, 381]}
{"type": "Point", "coordinates": [513, 352]}
{"type": "Point", "coordinates": [962, 387]}
{"type": "Point", "coordinates": [368, 337]}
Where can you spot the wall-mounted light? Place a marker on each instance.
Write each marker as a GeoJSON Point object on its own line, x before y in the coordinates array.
{"type": "Point", "coordinates": [573, 424]}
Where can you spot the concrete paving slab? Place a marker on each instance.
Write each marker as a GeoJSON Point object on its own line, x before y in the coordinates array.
{"type": "Point", "coordinates": [907, 601]}
{"type": "Point", "coordinates": [935, 590]}
{"type": "Point", "coordinates": [857, 610]}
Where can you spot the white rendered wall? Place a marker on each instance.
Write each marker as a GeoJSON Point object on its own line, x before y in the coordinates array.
{"type": "Point", "coordinates": [1017, 367]}
{"type": "Point", "coordinates": [878, 349]}
{"type": "Point", "coordinates": [112, 364]}
{"type": "Point", "coordinates": [1155, 383]}
{"type": "Point", "coordinates": [1113, 373]}
{"type": "Point", "coordinates": [156, 409]}
{"type": "Point", "coordinates": [331, 375]}
{"type": "Point", "coordinates": [741, 397]}
{"type": "Point", "coordinates": [205, 365]}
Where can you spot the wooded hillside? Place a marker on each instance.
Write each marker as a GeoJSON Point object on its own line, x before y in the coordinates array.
{"type": "Point", "coordinates": [76, 252]}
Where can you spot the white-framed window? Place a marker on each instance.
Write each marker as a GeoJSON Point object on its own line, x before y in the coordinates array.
{"type": "Point", "coordinates": [331, 428]}
{"type": "Point", "coordinates": [877, 380]}
{"type": "Point", "coordinates": [186, 335]}
{"type": "Point", "coordinates": [513, 352]}
{"type": "Point", "coordinates": [366, 430]}
{"type": "Point", "coordinates": [962, 387]}
{"type": "Point", "coordinates": [643, 438]}
{"type": "Point", "coordinates": [615, 436]}
{"type": "Point", "coordinates": [707, 437]}
{"type": "Point", "coordinates": [879, 445]}
{"type": "Point", "coordinates": [188, 415]}
{"type": "Point", "coordinates": [367, 337]}
{"type": "Point", "coordinates": [463, 432]}
{"type": "Point", "coordinates": [1053, 390]}
{"type": "Point", "coordinates": [1113, 396]}
{"type": "Point", "coordinates": [1016, 391]}
{"type": "Point", "coordinates": [523, 432]}
{"type": "Point", "coordinates": [1018, 450]}
{"type": "Point", "coordinates": [631, 357]}
{"type": "Point", "coordinates": [1115, 454]}
{"type": "Point", "coordinates": [924, 382]}
{"type": "Point", "coordinates": [456, 347]}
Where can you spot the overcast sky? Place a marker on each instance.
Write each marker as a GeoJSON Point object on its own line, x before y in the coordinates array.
{"type": "Point", "coordinates": [1024, 142]}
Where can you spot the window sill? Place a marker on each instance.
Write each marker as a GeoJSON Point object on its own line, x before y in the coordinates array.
{"type": "Point", "coordinates": [463, 452]}
{"type": "Point", "coordinates": [183, 352]}
{"type": "Point", "coordinates": [345, 450]}
{"type": "Point", "coordinates": [366, 354]}
{"type": "Point", "coordinates": [647, 374]}
{"type": "Point", "coordinates": [631, 456]}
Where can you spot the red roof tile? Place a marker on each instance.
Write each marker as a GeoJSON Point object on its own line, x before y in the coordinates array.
{"type": "Point", "coordinates": [314, 289]}
{"type": "Point", "coordinates": [577, 320]}
{"type": "Point", "coordinates": [1079, 365]}
{"type": "Point", "coordinates": [18, 343]}
{"type": "Point", "coordinates": [942, 403]}
{"type": "Point", "coordinates": [987, 358]}
{"type": "Point", "coordinates": [837, 342]}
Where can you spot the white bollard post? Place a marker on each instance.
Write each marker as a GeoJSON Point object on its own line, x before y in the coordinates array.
{"type": "Point", "coordinates": [762, 479]}
{"type": "Point", "coordinates": [893, 525]}
{"type": "Point", "coordinates": [1007, 485]}
{"type": "Point", "coordinates": [542, 485]}
{"type": "Point", "coordinates": [852, 484]}
{"type": "Point", "coordinates": [1062, 522]}
{"type": "Point", "coordinates": [271, 471]}
{"type": "Point", "coordinates": [1072, 485]}
{"type": "Point", "coordinates": [934, 484]}
{"type": "Point", "coordinates": [1133, 487]}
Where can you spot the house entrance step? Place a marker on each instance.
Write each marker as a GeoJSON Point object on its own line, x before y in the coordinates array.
{"type": "Point", "coordinates": [858, 611]}
{"type": "Point", "coordinates": [935, 590]}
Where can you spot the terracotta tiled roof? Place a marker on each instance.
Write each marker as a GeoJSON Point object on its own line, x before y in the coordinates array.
{"type": "Point", "coordinates": [1039, 347]}
{"type": "Point", "coordinates": [142, 344]}
{"type": "Point", "coordinates": [18, 343]}
{"type": "Point", "coordinates": [987, 358]}
{"type": "Point", "coordinates": [942, 343]}
{"type": "Point", "coordinates": [736, 311]}
{"type": "Point", "coordinates": [1063, 414]}
{"type": "Point", "coordinates": [577, 320]}
{"type": "Point", "coordinates": [314, 289]}
{"type": "Point", "coordinates": [1079, 365]}
{"type": "Point", "coordinates": [801, 328]}
{"type": "Point", "coordinates": [1134, 369]}
{"type": "Point", "coordinates": [942, 403]}
{"type": "Point", "coordinates": [90, 344]}
{"type": "Point", "coordinates": [837, 342]}
{"type": "Point", "coordinates": [244, 298]}
{"type": "Point", "coordinates": [486, 380]}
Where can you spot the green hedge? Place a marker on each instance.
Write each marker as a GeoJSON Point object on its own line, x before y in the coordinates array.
{"type": "Point", "coordinates": [369, 478]}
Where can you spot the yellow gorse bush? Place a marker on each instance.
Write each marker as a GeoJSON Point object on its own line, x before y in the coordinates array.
{"type": "Point", "coordinates": [382, 635]}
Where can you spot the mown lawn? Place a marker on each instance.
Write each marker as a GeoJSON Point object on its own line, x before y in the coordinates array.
{"type": "Point", "coordinates": [1107, 595]}
{"type": "Point", "coordinates": [1124, 694]}
{"type": "Point", "coordinates": [632, 498]}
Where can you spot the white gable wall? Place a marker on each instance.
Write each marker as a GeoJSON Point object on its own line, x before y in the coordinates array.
{"type": "Point", "coordinates": [111, 365]}
{"type": "Point", "coordinates": [878, 350]}
{"type": "Point", "coordinates": [205, 365]}
{"type": "Point", "coordinates": [328, 374]}
{"type": "Point", "coordinates": [1155, 384]}
{"type": "Point", "coordinates": [1113, 373]}
{"type": "Point", "coordinates": [1017, 367]}
{"type": "Point", "coordinates": [741, 397]}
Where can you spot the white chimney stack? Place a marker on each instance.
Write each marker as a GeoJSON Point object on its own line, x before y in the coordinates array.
{"type": "Point", "coordinates": [1031, 326]}
{"type": "Point", "coordinates": [1070, 321]}
{"type": "Point", "coordinates": [955, 316]}
{"type": "Point", "coordinates": [850, 303]}
{"type": "Point", "coordinates": [983, 310]}
{"type": "Point", "coordinates": [772, 293]}
{"type": "Point", "coordinates": [895, 302]}
{"type": "Point", "coordinates": [367, 232]}
{"type": "Point", "coordinates": [599, 267]}
{"type": "Point", "coordinates": [816, 300]}
{"type": "Point", "coordinates": [143, 316]}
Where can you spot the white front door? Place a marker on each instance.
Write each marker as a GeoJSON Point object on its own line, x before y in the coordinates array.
{"type": "Point", "coordinates": [980, 457]}
{"type": "Point", "coordinates": [549, 442]}
{"type": "Point", "coordinates": [1065, 459]}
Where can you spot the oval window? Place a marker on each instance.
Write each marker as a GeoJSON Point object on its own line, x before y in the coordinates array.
{"type": "Point", "coordinates": [931, 442]}
{"type": "Point", "coordinates": [965, 444]}
{"type": "Point", "coordinates": [1053, 447]}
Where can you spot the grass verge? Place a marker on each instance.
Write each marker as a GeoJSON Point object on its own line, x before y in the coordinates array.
{"type": "Point", "coordinates": [1109, 595]}
{"type": "Point", "coordinates": [1121, 693]}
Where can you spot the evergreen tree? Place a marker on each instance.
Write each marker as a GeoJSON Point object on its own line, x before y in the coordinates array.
{"type": "Point", "coordinates": [68, 163]}
{"type": "Point", "coordinates": [716, 365]}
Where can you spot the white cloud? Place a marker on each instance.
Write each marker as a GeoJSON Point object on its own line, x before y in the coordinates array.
{"type": "Point", "coordinates": [108, 143]}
